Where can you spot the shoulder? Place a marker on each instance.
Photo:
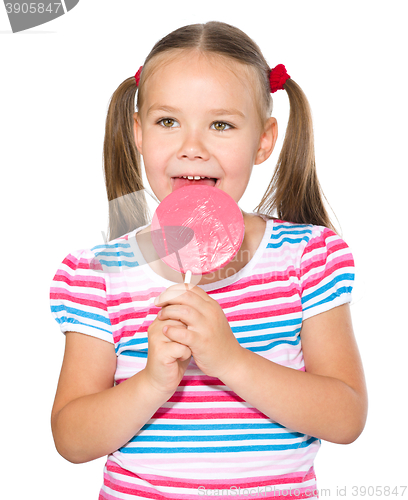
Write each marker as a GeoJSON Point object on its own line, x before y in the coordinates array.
{"type": "Point", "coordinates": [290, 232]}
{"type": "Point", "coordinates": [115, 255]}
{"type": "Point", "coordinates": [79, 292]}
{"type": "Point", "coordinates": [306, 237]}
{"type": "Point", "coordinates": [109, 257]}
{"type": "Point", "coordinates": [89, 269]}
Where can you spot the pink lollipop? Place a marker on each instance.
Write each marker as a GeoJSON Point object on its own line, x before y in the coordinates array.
{"type": "Point", "coordinates": [197, 229]}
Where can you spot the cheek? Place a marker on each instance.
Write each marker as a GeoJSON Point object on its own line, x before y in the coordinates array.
{"type": "Point", "coordinates": [156, 151]}
{"type": "Point", "coordinates": [240, 161]}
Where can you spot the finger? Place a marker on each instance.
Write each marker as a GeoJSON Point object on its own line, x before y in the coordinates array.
{"type": "Point", "coordinates": [178, 295]}
{"type": "Point", "coordinates": [155, 330]}
{"type": "Point", "coordinates": [172, 293]}
{"type": "Point", "coordinates": [181, 314]}
{"type": "Point", "coordinates": [178, 351]}
{"type": "Point", "coordinates": [172, 322]}
{"type": "Point", "coordinates": [179, 335]}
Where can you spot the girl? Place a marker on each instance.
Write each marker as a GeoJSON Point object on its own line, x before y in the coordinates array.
{"type": "Point", "coordinates": [225, 388]}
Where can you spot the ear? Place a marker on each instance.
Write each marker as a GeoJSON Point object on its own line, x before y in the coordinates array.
{"type": "Point", "coordinates": [267, 141]}
{"type": "Point", "coordinates": [137, 131]}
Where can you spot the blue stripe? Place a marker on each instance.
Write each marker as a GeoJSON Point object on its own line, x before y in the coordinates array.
{"type": "Point", "coordinates": [222, 449]}
{"type": "Point", "coordinates": [267, 347]}
{"type": "Point", "coordinates": [264, 326]}
{"type": "Point", "coordinates": [286, 240]}
{"type": "Point", "coordinates": [134, 354]}
{"type": "Point", "coordinates": [118, 263]}
{"type": "Point", "coordinates": [73, 321]}
{"type": "Point", "coordinates": [291, 225]}
{"type": "Point", "coordinates": [111, 245]}
{"type": "Point", "coordinates": [116, 254]}
{"type": "Point", "coordinates": [80, 314]}
{"type": "Point", "coordinates": [144, 340]}
{"type": "Point", "coordinates": [290, 232]}
{"type": "Point", "coordinates": [328, 286]}
{"type": "Point", "coordinates": [333, 296]}
{"type": "Point", "coordinates": [210, 427]}
{"type": "Point", "coordinates": [221, 437]}
{"type": "Point", "coordinates": [142, 353]}
{"type": "Point", "coordinates": [271, 336]}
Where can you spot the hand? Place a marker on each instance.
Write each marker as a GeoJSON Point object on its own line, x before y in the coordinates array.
{"type": "Point", "coordinates": [208, 334]}
{"type": "Point", "coordinates": [166, 360]}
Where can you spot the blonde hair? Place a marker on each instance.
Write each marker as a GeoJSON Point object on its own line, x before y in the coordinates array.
{"type": "Point", "coordinates": [294, 193]}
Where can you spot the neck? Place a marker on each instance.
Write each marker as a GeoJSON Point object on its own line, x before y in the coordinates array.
{"type": "Point", "coordinates": [254, 231]}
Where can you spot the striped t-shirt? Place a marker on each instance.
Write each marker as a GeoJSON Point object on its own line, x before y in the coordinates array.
{"type": "Point", "coordinates": [207, 441]}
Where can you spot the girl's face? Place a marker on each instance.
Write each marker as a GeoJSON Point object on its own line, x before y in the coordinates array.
{"type": "Point", "coordinates": [199, 119]}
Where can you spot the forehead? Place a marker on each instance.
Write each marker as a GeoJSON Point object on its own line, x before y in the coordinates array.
{"type": "Point", "coordinates": [206, 76]}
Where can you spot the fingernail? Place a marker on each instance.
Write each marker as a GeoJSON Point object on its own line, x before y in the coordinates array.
{"type": "Point", "coordinates": [157, 300]}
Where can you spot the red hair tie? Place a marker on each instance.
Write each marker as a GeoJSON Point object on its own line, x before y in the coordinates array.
{"type": "Point", "coordinates": [137, 76]}
{"type": "Point", "coordinates": [278, 77]}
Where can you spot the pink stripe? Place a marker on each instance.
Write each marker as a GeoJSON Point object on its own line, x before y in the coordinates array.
{"type": "Point", "coordinates": [83, 263]}
{"type": "Point", "coordinates": [250, 297]}
{"type": "Point", "coordinates": [77, 298]}
{"type": "Point", "coordinates": [129, 489]}
{"type": "Point", "coordinates": [128, 297]}
{"type": "Point", "coordinates": [77, 280]}
{"type": "Point", "coordinates": [133, 314]}
{"type": "Point", "coordinates": [208, 413]}
{"type": "Point", "coordinates": [321, 242]}
{"type": "Point", "coordinates": [322, 260]}
{"type": "Point", "coordinates": [237, 485]}
{"type": "Point", "coordinates": [329, 270]}
{"type": "Point", "coordinates": [103, 495]}
{"type": "Point", "coordinates": [128, 331]}
{"type": "Point", "coordinates": [233, 301]}
{"type": "Point", "coordinates": [268, 312]}
{"type": "Point", "coordinates": [191, 380]}
{"type": "Point", "coordinates": [204, 397]}
{"type": "Point", "coordinates": [294, 477]}
{"type": "Point", "coordinates": [261, 279]}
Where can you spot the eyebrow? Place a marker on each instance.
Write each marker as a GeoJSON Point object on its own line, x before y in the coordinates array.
{"type": "Point", "coordinates": [167, 109]}
{"type": "Point", "coordinates": [227, 112]}
{"type": "Point", "coordinates": [216, 112]}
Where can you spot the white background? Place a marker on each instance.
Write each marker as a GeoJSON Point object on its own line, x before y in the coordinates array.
{"type": "Point", "coordinates": [56, 81]}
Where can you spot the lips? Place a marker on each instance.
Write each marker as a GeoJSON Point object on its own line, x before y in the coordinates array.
{"type": "Point", "coordinates": [179, 182]}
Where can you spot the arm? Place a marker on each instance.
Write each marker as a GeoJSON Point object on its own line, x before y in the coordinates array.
{"type": "Point", "coordinates": [328, 401]}
{"type": "Point", "coordinates": [91, 417]}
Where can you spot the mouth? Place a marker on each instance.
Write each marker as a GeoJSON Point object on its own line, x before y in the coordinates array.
{"type": "Point", "coordinates": [193, 180]}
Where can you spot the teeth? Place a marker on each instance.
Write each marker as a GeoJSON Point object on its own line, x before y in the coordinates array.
{"type": "Point", "coordinates": [194, 177]}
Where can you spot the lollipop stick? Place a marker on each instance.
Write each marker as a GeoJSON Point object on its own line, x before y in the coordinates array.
{"type": "Point", "coordinates": [178, 260]}
{"type": "Point", "coordinates": [187, 277]}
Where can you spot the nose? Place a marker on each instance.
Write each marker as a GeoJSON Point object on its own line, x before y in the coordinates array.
{"type": "Point", "coordinates": [193, 147]}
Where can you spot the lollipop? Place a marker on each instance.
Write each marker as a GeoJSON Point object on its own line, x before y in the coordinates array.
{"type": "Point", "coordinates": [197, 229]}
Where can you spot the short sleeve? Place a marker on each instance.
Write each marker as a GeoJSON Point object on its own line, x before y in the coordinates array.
{"type": "Point", "coordinates": [78, 297]}
{"type": "Point", "coordinates": [326, 272]}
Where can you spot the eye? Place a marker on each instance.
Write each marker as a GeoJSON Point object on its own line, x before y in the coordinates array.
{"type": "Point", "coordinates": [168, 123]}
{"type": "Point", "coordinates": [221, 126]}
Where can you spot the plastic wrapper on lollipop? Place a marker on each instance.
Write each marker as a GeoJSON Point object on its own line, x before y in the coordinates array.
{"type": "Point", "coordinates": [198, 229]}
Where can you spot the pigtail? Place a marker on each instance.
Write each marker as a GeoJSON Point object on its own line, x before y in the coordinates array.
{"type": "Point", "coordinates": [123, 176]}
{"type": "Point", "coordinates": [294, 192]}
